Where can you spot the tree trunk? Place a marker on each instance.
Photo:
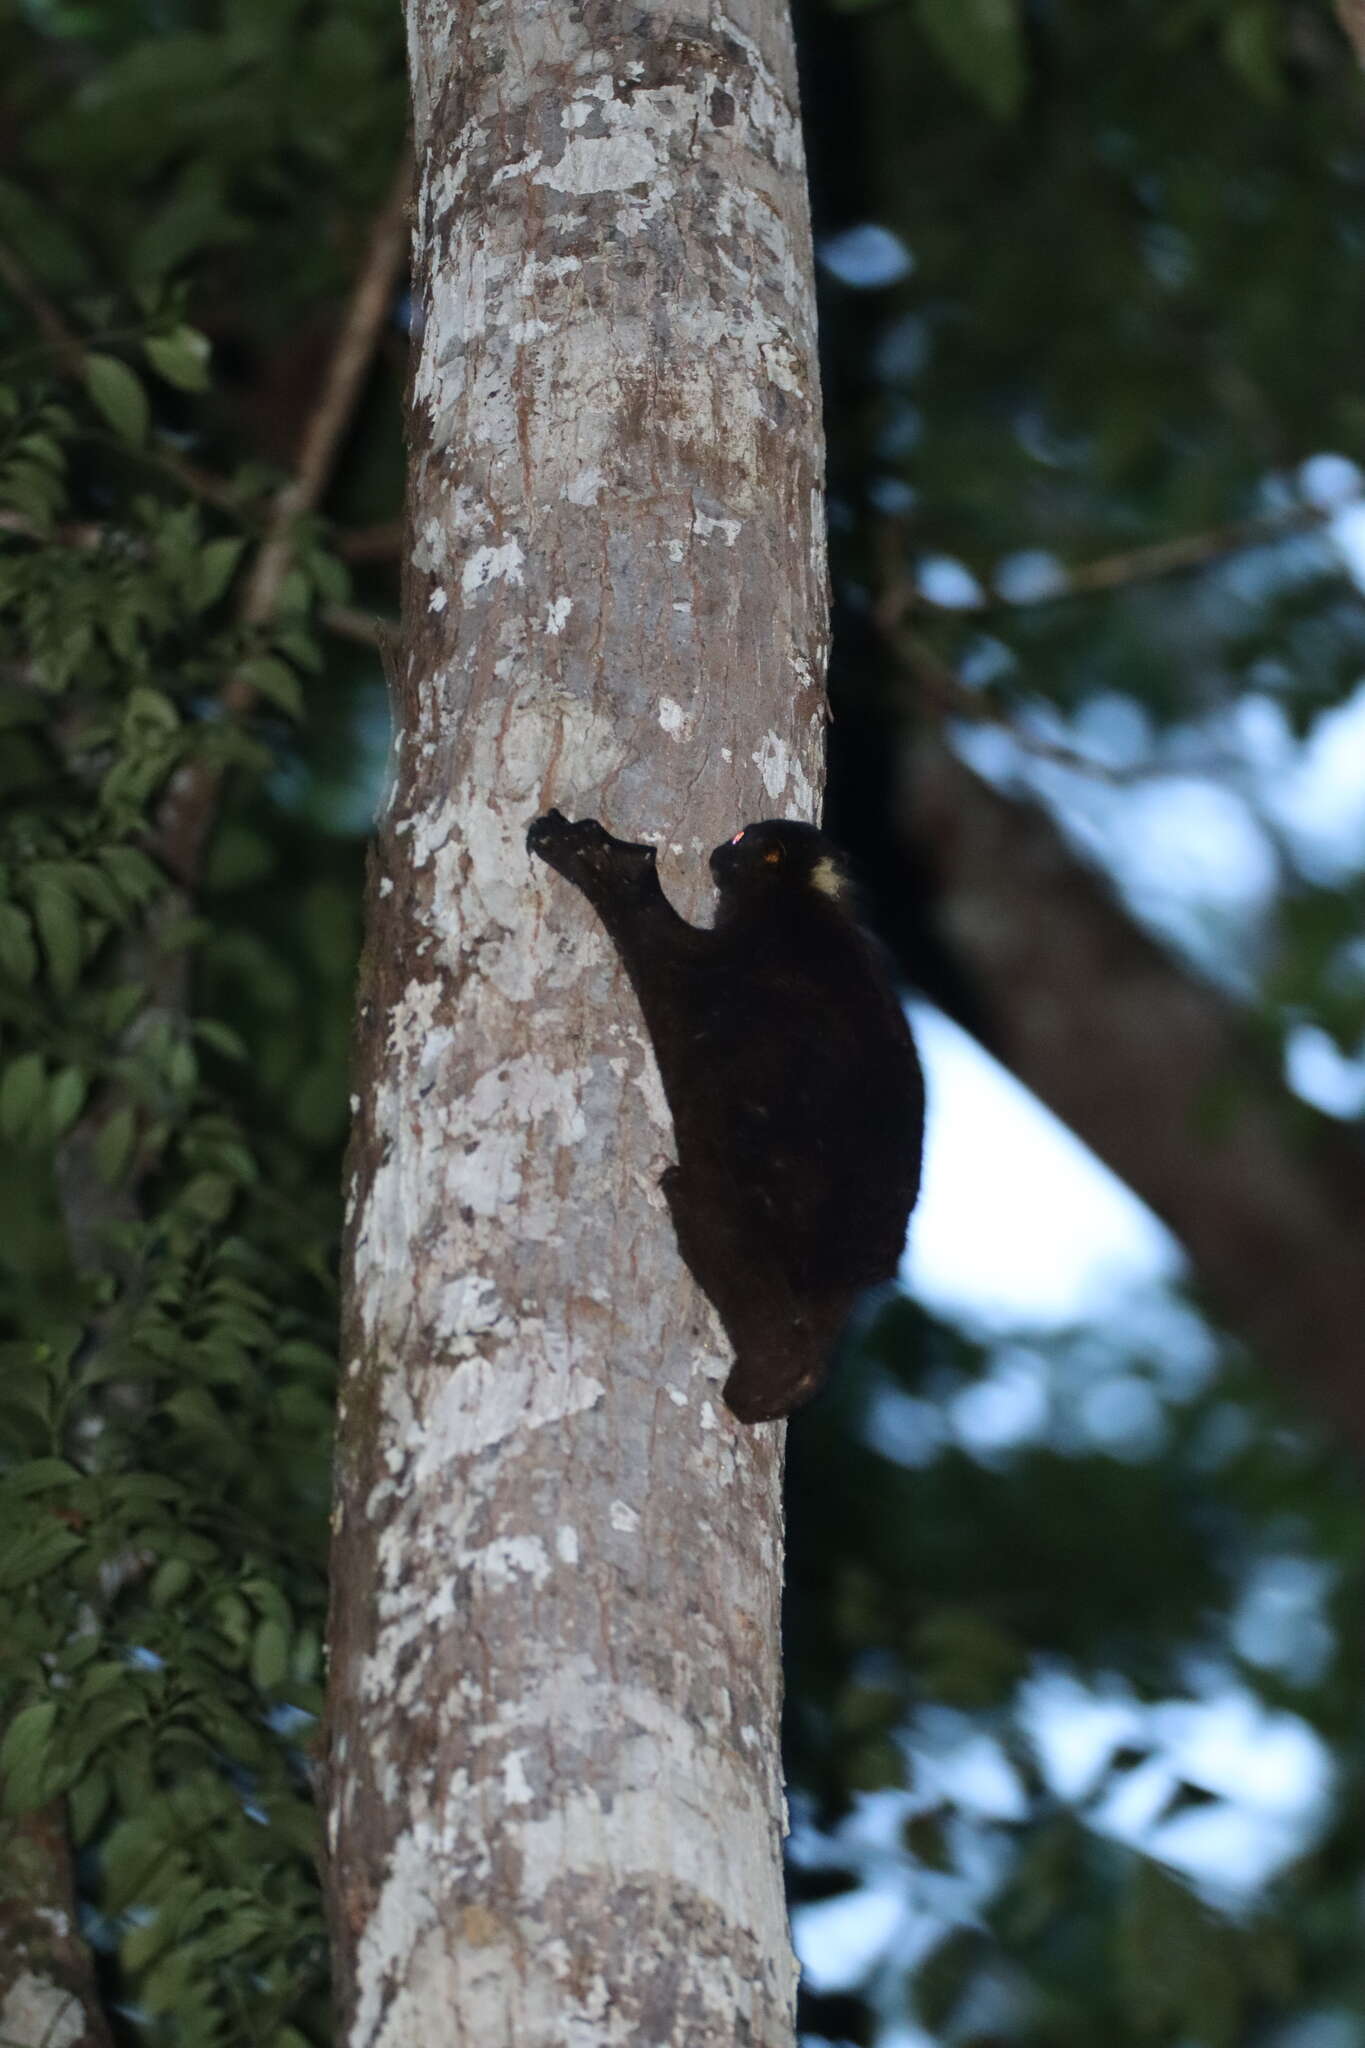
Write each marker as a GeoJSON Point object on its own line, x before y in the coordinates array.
{"type": "Point", "coordinates": [48, 1994]}
{"type": "Point", "coordinates": [555, 1798]}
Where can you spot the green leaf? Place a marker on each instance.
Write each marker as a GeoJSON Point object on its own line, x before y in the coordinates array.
{"type": "Point", "coordinates": [119, 395]}
{"type": "Point", "coordinates": [964, 1657]}
{"type": "Point", "coordinates": [86, 1802]}
{"type": "Point", "coordinates": [40, 1475]}
{"type": "Point", "coordinates": [209, 1196]}
{"type": "Point", "coordinates": [982, 44]}
{"type": "Point", "coordinates": [36, 1552]}
{"type": "Point", "coordinates": [233, 1618]}
{"type": "Point", "coordinates": [872, 1766]}
{"type": "Point", "coordinates": [276, 682]}
{"type": "Point", "coordinates": [94, 889]}
{"type": "Point", "coordinates": [221, 1038]}
{"type": "Point", "coordinates": [27, 1736]}
{"type": "Point", "coordinates": [269, 1655]}
{"type": "Point", "coordinates": [925, 1836]}
{"type": "Point", "coordinates": [119, 1008]}
{"type": "Point", "coordinates": [1253, 39]}
{"type": "Point", "coordinates": [146, 1939]}
{"type": "Point", "coordinates": [181, 357]}
{"type": "Point", "coordinates": [306, 1660]}
{"type": "Point", "coordinates": [238, 856]}
{"type": "Point", "coordinates": [213, 570]}
{"type": "Point", "coordinates": [39, 237]}
{"type": "Point", "coordinates": [163, 1989]}
{"type": "Point", "coordinates": [105, 1675]}
{"type": "Point", "coordinates": [65, 1100]}
{"type": "Point", "coordinates": [20, 707]}
{"type": "Point", "coordinates": [152, 710]}
{"type": "Point", "coordinates": [170, 1581]}
{"type": "Point", "coordinates": [301, 645]}
{"type": "Point", "coordinates": [34, 491]}
{"type": "Point", "coordinates": [195, 1410]}
{"type": "Point", "coordinates": [114, 1145]}
{"type": "Point", "coordinates": [131, 872]}
{"type": "Point", "coordinates": [181, 1068]}
{"type": "Point", "coordinates": [310, 1357]}
{"type": "Point", "coordinates": [59, 928]}
{"type": "Point", "coordinates": [331, 576]}
{"type": "Point", "coordinates": [1043, 1880]}
{"type": "Point", "coordinates": [943, 1978]}
{"type": "Point", "coordinates": [22, 1095]}
{"type": "Point", "coordinates": [123, 1705]}
{"type": "Point", "coordinates": [294, 595]}
{"type": "Point", "coordinates": [45, 451]}
{"type": "Point", "coordinates": [18, 954]}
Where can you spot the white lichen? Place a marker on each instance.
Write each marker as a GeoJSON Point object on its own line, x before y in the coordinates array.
{"type": "Point", "coordinates": [703, 525]}
{"type": "Point", "coordinates": [37, 2010]}
{"type": "Point", "coordinates": [492, 565]}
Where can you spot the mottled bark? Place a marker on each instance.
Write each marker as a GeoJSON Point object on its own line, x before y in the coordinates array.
{"type": "Point", "coordinates": [48, 1995]}
{"type": "Point", "coordinates": [555, 1801]}
{"type": "Point", "coordinates": [1156, 1072]}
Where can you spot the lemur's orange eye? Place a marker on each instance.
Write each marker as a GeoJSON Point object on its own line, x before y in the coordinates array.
{"type": "Point", "coordinates": [772, 855]}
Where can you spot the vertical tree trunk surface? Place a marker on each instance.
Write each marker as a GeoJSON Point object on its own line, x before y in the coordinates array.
{"type": "Point", "coordinates": [555, 1801]}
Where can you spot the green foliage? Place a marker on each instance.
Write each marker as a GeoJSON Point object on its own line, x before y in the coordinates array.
{"type": "Point", "coordinates": [184, 193]}
{"type": "Point", "coordinates": [982, 44]}
{"type": "Point", "coordinates": [1103, 343]}
{"type": "Point", "coordinates": [933, 1588]}
{"type": "Point", "coordinates": [165, 1283]}
{"type": "Point", "coordinates": [1133, 310]}
{"type": "Point", "coordinates": [1130, 319]}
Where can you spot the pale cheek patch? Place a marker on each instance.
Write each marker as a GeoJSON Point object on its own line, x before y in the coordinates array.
{"type": "Point", "coordinates": [825, 877]}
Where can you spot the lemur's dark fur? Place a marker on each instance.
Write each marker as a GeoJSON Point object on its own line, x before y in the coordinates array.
{"type": "Point", "coordinates": [797, 1100]}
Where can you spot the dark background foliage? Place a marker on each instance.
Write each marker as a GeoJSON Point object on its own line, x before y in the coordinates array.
{"type": "Point", "coordinates": [1115, 305]}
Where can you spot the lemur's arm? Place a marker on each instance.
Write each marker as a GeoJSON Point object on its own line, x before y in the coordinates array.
{"type": "Point", "coordinates": [621, 881]}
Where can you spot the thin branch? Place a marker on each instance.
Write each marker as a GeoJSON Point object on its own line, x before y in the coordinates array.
{"type": "Point", "coordinates": [82, 534]}
{"type": "Point", "coordinates": [1131, 565]}
{"type": "Point", "coordinates": [1351, 15]}
{"type": "Point", "coordinates": [381, 543]}
{"type": "Point", "coordinates": [938, 685]}
{"type": "Point", "coordinates": [186, 811]}
{"type": "Point", "coordinates": [1170, 557]}
{"type": "Point", "coordinates": [348, 622]}
{"type": "Point", "coordinates": [950, 698]}
{"type": "Point", "coordinates": [64, 342]}
{"type": "Point", "coordinates": [327, 428]}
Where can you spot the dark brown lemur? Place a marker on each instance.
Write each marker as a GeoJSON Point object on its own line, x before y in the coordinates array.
{"type": "Point", "coordinates": [797, 1099]}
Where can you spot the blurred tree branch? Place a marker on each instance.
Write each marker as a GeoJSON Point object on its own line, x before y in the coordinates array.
{"type": "Point", "coordinates": [65, 345]}
{"type": "Point", "coordinates": [1129, 566]}
{"type": "Point", "coordinates": [380, 543]}
{"type": "Point", "coordinates": [187, 809]}
{"type": "Point", "coordinates": [1351, 15]}
{"type": "Point", "coordinates": [1158, 1075]}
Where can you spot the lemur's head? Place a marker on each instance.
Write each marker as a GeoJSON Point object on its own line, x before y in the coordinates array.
{"type": "Point", "coordinates": [777, 854]}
